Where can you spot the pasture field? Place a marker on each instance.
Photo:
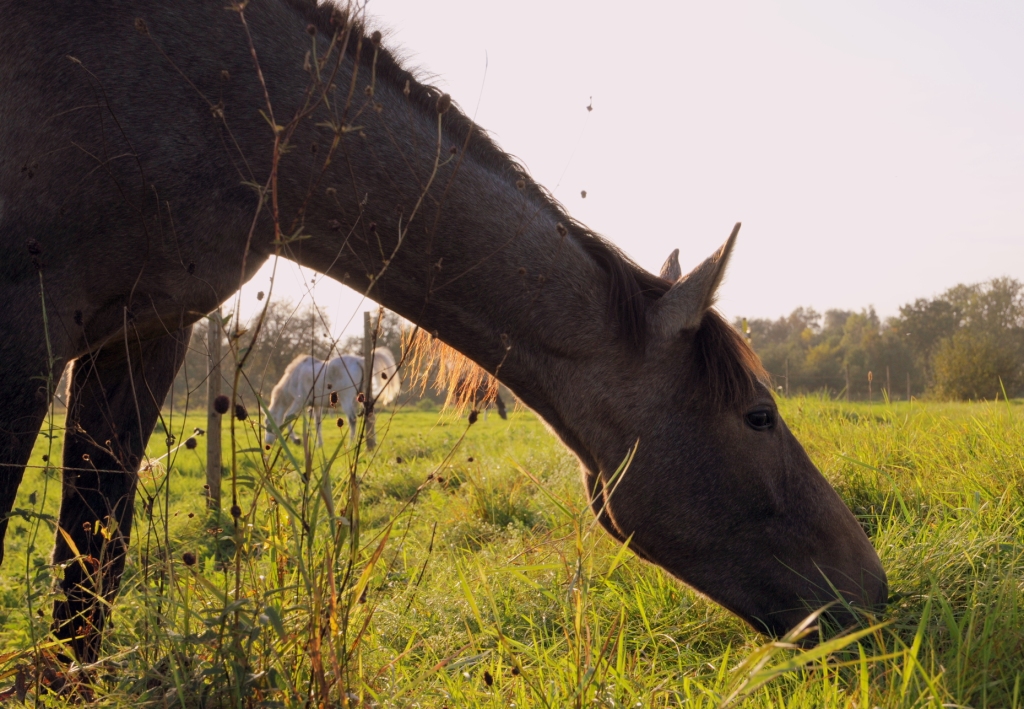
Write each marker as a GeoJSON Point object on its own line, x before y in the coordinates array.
{"type": "Point", "coordinates": [458, 566]}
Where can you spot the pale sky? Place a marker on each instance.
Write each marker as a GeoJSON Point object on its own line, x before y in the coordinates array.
{"type": "Point", "coordinates": [874, 151]}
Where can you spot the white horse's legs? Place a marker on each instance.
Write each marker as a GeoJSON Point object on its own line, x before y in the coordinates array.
{"type": "Point", "coordinates": [318, 415]}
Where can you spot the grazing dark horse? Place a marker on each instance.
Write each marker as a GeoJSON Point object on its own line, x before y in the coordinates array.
{"type": "Point", "coordinates": [148, 167]}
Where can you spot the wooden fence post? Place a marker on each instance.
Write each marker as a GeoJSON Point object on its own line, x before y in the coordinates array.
{"type": "Point", "coordinates": [213, 437]}
{"type": "Point", "coordinates": [871, 378]}
{"type": "Point", "coordinates": [368, 413]}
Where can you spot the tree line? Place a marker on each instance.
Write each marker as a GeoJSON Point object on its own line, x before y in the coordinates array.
{"type": "Point", "coordinates": [966, 343]}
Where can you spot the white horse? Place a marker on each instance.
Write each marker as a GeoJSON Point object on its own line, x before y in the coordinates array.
{"type": "Point", "coordinates": [314, 383]}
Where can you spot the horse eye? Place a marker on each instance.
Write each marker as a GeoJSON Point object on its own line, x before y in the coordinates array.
{"type": "Point", "coordinates": [761, 419]}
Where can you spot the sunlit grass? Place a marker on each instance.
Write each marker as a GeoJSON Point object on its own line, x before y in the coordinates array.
{"type": "Point", "coordinates": [479, 580]}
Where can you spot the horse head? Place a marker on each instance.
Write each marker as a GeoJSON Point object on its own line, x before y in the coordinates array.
{"type": "Point", "coordinates": [719, 492]}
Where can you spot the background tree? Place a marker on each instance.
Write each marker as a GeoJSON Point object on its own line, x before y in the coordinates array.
{"type": "Point", "coordinates": [985, 354]}
{"type": "Point", "coordinates": [966, 343]}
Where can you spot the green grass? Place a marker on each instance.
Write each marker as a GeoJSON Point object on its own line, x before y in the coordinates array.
{"type": "Point", "coordinates": [470, 574]}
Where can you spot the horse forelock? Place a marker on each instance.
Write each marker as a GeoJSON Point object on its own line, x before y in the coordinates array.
{"type": "Point", "coordinates": [726, 364]}
{"type": "Point", "coordinates": [630, 287]}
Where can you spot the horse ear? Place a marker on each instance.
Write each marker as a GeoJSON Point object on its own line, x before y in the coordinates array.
{"type": "Point", "coordinates": [670, 270]}
{"type": "Point", "coordinates": [684, 305]}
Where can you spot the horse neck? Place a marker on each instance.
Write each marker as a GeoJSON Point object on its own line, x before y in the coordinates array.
{"type": "Point", "coordinates": [445, 230]}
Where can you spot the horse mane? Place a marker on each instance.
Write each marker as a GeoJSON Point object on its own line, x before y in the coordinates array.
{"type": "Point", "coordinates": [384, 364]}
{"type": "Point", "coordinates": [725, 364]}
{"type": "Point", "coordinates": [630, 287]}
{"type": "Point", "coordinates": [434, 364]}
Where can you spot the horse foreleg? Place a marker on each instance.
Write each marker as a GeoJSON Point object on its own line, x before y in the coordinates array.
{"type": "Point", "coordinates": [350, 413]}
{"type": "Point", "coordinates": [115, 399]}
{"type": "Point", "coordinates": [24, 396]}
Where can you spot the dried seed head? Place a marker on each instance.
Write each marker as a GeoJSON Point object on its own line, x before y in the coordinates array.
{"type": "Point", "coordinates": [311, 29]}
{"type": "Point", "coordinates": [189, 558]}
{"type": "Point", "coordinates": [444, 102]}
{"type": "Point", "coordinates": [221, 404]}
{"type": "Point", "coordinates": [313, 147]}
{"type": "Point", "coordinates": [225, 75]}
{"type": "Point", "coordinates": [236, 511]}
{"type": "Point", "coordinates": [373, 227]}
{"type": "Point", "coordinates": [406, 90]}
{"type": "Point", "coordinates": [140, 26]}
{"type": "Point", "coordinates": [341, 422]}
{"type": "Point", "coordinates": [515, 670]}
{"type": "Point", "coordinates": [452, 150]}
{"type": "Point", "coordinates": [334, 225]}
{"type": "Point", "coordinates": [560, 228]}
{"type": "Point", "coordinates": [259, 295]}
{"type": "Point", "coordinates": [85, 457]}
{"type": "Point", "coordinates": [34, 247]}
{"type": "Point", "coordinates": [383, 375]}
{"type": "Point", "coordinates": [169, 441]}
{"type": "Point", "coordinates": [488, 680]}
{"type": "Point", "coordinates": [240, 413]}
{"type": "Point", "coordinates": [522, 271]}
{"type": "Point", "coordinates": [375, 38]}
{"type": "Point", "coordinates": [440, 479]}
{"type": "Point", "coordinates": [191, 268]}
{"type": "Point", "coordinates": [368, 91]}
{"type": "Point", "coordinates": [87, 526]}
{"type": "Point", "coordinates": [583, 194]}
{"type": "Point", "coordinates": [398, 460]}
{"type": "Point", "coordinates": [521, 184]}
{"type": "Point", "coordinates": [198, 431]}
{"type": "Point", "coordinates": [473, 416]}
{"type": "Point", "coordinates": [360, 397]}
{"type": "Point", "coordinates": [191, 443]}
{"type": "Point", "coordinates": [469, 459]}
{"type": "Point", "coordinates": [334, 398]}
{"type": "Point", "coordinates": [191, 515]}
{"type": "Point", "coordinates": [331, 192]}
{"type": "Point", "coordinates": [267, 446]}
